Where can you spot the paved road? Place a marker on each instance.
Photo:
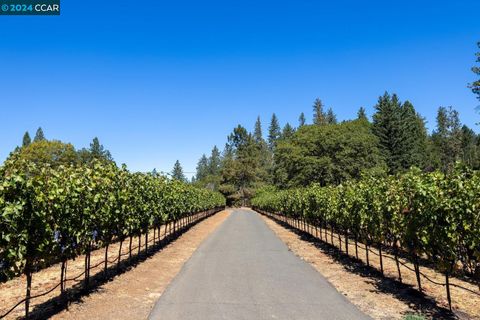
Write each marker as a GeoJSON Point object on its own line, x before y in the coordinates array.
{"type": "Point", "coordinates": [244, 271]}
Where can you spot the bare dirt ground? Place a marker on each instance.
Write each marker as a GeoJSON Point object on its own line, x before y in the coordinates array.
{"type": "Point", "coordinates": [380, 297]}
{"type": "Point", "coordinates": [130, 295]}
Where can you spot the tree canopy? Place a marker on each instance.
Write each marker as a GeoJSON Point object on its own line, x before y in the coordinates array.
{"type": "Point", "coordinates": [177, 172]}
{"type": "Point", "coordinates": [273, 132]}
{"type": "Point", "coordinates": [401, 133]}
{"type": "Point", "coordinates": [39, 136]}
{"type": "Point", "coordinates": [475, 85]}
{"type": "Point", "coordinates": [53, 153]}
{"type": "Point", "coordinates": [26, 139]}
{"type": "Point", "coordinates": [327, 154]}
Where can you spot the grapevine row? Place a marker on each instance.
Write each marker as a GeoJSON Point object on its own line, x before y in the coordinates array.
{"type": "Point", "coordinates": [50, 215]}
{"type": "Point", "coordinates": [432, 216]}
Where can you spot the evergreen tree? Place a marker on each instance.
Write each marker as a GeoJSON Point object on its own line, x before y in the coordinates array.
{"type": "Point", "coordinates": [177, 172]}
{"type": "Point", "coordinates": [241, 167]}
{"type": "Point", "coordinates": [475, 86]}
{"type": "Point", "coordinates": [301, 120]}
{"type": "Point", "coordinates": [26, 139]}
{"type": "Point", "coordinates": [448, 137]}
{"type": "Point", "coordinates": [401, 133]}
{"type": "Point", "coordinates": [387, 127]}
{"type": "Point", "coordinates": [214, 162]}
{"type": "Point", "coordinates": [265, 156]}
{"type": "Point", "coordinates": [273, 132]}
{"type": "Point", "coordinates": [414, 143]}
{"type": "Point", "coordinates": [287, 131]}
{"type": "Point", "coordinates": [362, 114]}
{"type": "Point", "coordinates": [98, 151]}
{"type": "Point", "coordinates": [257, 133]}
{"type": "Point", "coordinates": [238, 139]}
{"type": "Point", "coordinates": [470, 154]}
{"type": "Point", "coordinates": [202, 168]}
{"type": "Point", "coordinates": [39, 136]}
{"type": "Point", "coordinates": [330, 117]}
{"type": "Point", "coordinates": [319, 116]}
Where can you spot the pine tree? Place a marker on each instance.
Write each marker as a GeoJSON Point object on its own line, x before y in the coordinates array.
{"type": "Point", "coordinates": [362, 114]}
{"type": "Point", "coordinates": [301, 120]}
{"type": "Point", "coordinates": [273, 132]}
{"type": "Point", "coordinates": [241, 166]}
{"type": "Point", "coordinates": [401, 133]}
{"type": "Point", "coordinates": [98, 151]}
{"type": "Point", "coordinates": [264, 154]}
{"type": "Point", "coordinates": [214, 162]}
{"type": "Point", "coordinates": [287, 131]}
{"type": "Point", "coordinates": [257, 133]}
{"type": "Point", "coordinates": [177, 172]}
{"type": "Point", "coordinates": [386, 126]}
{"type": "Point", "coordinates": [202, 168]}
{"type": "Point", "coordinates": [413, 145]}
{"type": "Point", "coordinates": [319, 116]}
{"type": "Point", "coordinates": [470, 151]}
{"type": "Point", "coordinates": [475, 86]}
{"type": "Point", "coordinates": [26, 139]}
{"type": "Point", "coordinates": [330, 117]}
{"type": "Point", "coordinates": [39, 136]}
{"type": "Point", "coordinates": [448, 137]}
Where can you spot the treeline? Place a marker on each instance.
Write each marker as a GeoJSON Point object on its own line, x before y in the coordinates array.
{"type": "Point", "coordinates": [40, 150]}
{"type": "Point", "coordinates": [327, 152]}
{"type": "Point", "coordinates": [331, 152]}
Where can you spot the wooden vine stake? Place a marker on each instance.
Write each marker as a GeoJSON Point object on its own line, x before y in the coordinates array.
{"type": "Point", "coordinates": [447, 284]}
{"type": "Point", "coordinates": [395, 252]}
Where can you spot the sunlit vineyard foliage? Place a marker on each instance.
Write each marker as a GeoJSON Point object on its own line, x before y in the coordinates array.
{"type": "Point", "coordinates": [428, 215]}
{"type": "Point", "coordinates": [50, 214]}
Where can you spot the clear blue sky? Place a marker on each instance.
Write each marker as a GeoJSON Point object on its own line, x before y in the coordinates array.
{"type": "Point", "coordinates": [158, 81]}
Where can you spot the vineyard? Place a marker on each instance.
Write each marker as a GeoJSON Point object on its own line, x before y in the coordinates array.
{"type": "Point", "coordinates": [422, 216]}
{"type": "Point", "coordinates": [52, 214]}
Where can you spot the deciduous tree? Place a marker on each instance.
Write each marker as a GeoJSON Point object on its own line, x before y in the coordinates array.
{"type": "Point", "coordinates": [327, 154]}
